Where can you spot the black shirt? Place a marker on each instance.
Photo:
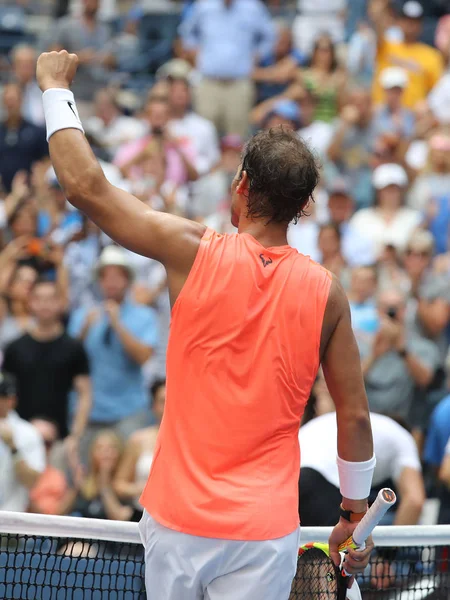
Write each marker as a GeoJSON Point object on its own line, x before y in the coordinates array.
{"type": "Point", "coordinates": [19, 149]}
{"type": "Point", "coordinates": [45, 372]}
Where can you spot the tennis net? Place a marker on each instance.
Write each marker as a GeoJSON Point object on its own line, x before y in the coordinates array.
{"type": "Point", "coordinates": [56, 558]}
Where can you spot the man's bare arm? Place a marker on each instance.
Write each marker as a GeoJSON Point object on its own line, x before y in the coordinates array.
{"type": "Point", "coordinates": [342, 370]}
{"type": "Point", "coordinates": [172, 240]}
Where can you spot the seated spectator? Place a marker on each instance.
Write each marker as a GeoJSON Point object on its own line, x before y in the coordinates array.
{"type": "Point", "coordinates": [133, 470]}
{"type": "Point", "coordinates": [125, 49]}
{"type": "Point", "coordinates": [16, 317]}
{"type": "Point", "coordinates": [276, 70]}
{"type": "Point", "coordinates": [324, 79]}
{"type": "Point", "coordinates": [318, 134]}
{"type": "Point", "coordinates": [91, 494]}
{"type": "Point", "coordinates": [351, 146]}
{"type": "Point", "coordinates": [391, 273]}
{"type": "Point", "coordinates": [357, 249]}
{"type": "Point", "coordinates": [224, 38]}
{"type": "Point", "coordinates": [391, 117]}
{"type": "Point", "coordinates": [424, 64]}
{"type": "Point", "coordinates": [87, 37]}
{"type": "Point", "coordinates": [361, 296]}
{"type": "Point", "coordinates": [119, 336]}
{"type": "Point", "coordinates": [389, 221]}
{"type": "Point", "coordinates": [177, 155]}
{"type": "Point", "coordinates": [21, 142]}
{"type": "Point", "coordinates": [57, 221]}
{"type": "Point", "coordinates": [397, 361]}
{"type": "Point", "coordinates": [22, 453]}
{"type": "Point", "coordinates": [329, 243]}
{"type": "Point", "coordinates": [109, 126]}
{"type": "Point", "coordinates": [47, 364]}
{"type": "Point", "coordinates": [186, 124]}
{"type": "Point", "coordinates": [80, 254]}
{"type": "Point", "coordinates": [284, 113]}
{"type": "Point", "coordinates": [433, 183]}
{"type": "Point", "coordinates": [397, 461]}
{"type": "Point", "coordinates": [51, 487]}
{"type": "Point", "coordinates": [429, 304]}
{"type": "Point", "coordinates": [24, 71]}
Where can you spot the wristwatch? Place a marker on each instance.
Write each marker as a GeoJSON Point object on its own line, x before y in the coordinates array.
{"type": "Point", "coordinates": [350, 516]}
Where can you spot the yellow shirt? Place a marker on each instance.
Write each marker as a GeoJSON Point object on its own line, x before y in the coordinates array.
{"type": "Point", "coordinates": [423, 64]}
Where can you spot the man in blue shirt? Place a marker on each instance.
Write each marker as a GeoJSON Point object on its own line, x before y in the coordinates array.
{"type": "Point", "coordinates": [227, 38]}
{"type": "Point", "coordinates": [119, 338]}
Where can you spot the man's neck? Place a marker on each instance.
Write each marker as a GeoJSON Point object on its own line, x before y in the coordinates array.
{"type": "Point", "coordinates": [46, 331]}
{"type": "Point", "coordinates": [267, 235]}
{"type": "Point", "coordinates": [178, 113]}
{"type": "Point", "coordinates": [13, 121]}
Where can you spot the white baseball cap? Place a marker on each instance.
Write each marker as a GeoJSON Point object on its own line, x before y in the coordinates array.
{"type": "Point", "coordinates": [412, 9]}
{"type": "Point", "coordinates": [389, 174]}
{"type": "Point", "coordinates": [114, 256]}
{"type": "Point", "coordinates": [393, 77]}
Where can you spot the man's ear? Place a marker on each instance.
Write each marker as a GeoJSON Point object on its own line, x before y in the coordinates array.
{"type": "Point", "coordinates": [243, 183]}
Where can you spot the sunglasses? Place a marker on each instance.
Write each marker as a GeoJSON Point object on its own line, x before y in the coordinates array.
{"type": "Point", "coordinates": [422, 254]}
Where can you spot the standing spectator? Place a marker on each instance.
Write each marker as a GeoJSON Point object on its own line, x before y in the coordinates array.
{"type": "Point", "coordinates": [22, 453]}
{"type": "Point", "coordinates": [24, 71]}
{"type": "Point", "coordinates": [423, 64]}
{"type": "Point", "coordinates": [397, 361]}
{"type": "Point", "coordinates": [397, 460]}
{"type": "Point", "coordinates": [15, 295]}
{"type": "Point", "coordinates": [318, 16]}
{"type": "Point", "coordinates": [120, 338]}
{"type": "Point", "coordinates": [391, 117]}
{"type": "Point", "coordinates": [175, 156]}
{"type": "Point", "coordinates": [21, 142]}
{"type": "Point", "coordinates": [47, 364]}
{"type": "Point", "coordinates": [324, 79]}
{"type": "Point", "coordinates": [51, 487]}
{"type": "Point", "coordinates": [352, 144]}
{"type": "Point", "coordinates": [185, 123]}
{"type": "Point", "coordinates": [109, 126]}
{"type": "Point", "coordinates": [133, 470]}
{"type": "Point", "coordinates": [86, 36]}
{"type": "Point", "coordinates": [226, 37]}
{"type": "Point", "coordinates": [389, 221]}
{"type": "Point", "coordinates": [276, 70]}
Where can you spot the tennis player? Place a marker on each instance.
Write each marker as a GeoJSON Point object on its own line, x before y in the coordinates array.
{"type": "Point", "coordinates": [251, 321]}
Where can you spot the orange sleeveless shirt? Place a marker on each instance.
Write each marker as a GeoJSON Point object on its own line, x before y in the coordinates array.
{"type": "Point", "coordinates": [243, 355]}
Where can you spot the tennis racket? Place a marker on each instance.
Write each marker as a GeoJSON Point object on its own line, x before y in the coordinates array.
{"type": "Point", "coordinates": [317, 576]}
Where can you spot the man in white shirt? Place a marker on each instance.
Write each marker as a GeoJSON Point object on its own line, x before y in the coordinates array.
{"type": "Point", "coordinates": [23, 60]}
{"type": "Point", "coordinates": [397, 460]}
{"type": "Point", "coordinates": [22, 452]}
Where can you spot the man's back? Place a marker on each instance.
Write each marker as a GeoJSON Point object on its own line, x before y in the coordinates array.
{"type": "Point", "coordinates": [244, 351]}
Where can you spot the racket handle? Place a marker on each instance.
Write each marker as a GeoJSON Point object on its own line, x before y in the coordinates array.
{"type": "Point", "coordinates": [385, 499]}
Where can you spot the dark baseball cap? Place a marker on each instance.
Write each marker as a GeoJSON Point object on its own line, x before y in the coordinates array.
{"type": "Point", "coordinates": [7, 385]}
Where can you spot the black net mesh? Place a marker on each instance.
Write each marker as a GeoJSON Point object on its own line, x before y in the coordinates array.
{"type": "Point", "coordinates": [50, 568]}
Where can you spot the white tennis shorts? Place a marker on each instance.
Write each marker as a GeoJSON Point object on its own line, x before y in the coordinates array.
{"type": "Point", "coordinates": [179, 566]}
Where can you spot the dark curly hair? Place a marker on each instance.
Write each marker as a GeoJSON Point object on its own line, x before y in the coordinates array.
{"type": "Point", "coordinates": [282, 173]}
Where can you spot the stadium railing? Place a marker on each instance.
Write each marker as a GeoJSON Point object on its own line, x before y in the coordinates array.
{"type": "Point", "coordinates": [45, 558]}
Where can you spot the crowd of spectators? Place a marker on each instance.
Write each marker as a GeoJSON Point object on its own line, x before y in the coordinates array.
{"type": "Point", "coordinates": [84, 323]}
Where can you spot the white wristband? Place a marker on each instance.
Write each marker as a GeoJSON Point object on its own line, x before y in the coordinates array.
{"type": "Point", "coordinates": [355, 478]}
{"type": "Point", "coordinates": [60, 111]}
